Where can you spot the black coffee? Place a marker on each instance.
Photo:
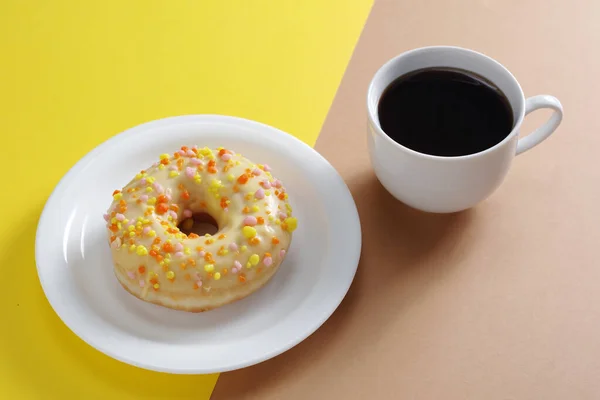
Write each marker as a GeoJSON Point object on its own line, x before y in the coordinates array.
{"type": "Point", "coordinates": [445, 112]}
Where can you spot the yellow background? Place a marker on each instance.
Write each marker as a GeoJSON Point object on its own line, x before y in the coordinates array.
{"type": "Point", "coordinates": [73, 73]}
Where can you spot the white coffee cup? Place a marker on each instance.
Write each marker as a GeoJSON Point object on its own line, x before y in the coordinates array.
{"type": "Point", "coordinates": [450, 184]}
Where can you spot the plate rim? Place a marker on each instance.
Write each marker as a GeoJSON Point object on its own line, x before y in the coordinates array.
{"type": "Point", "coordinates": [355, 243]}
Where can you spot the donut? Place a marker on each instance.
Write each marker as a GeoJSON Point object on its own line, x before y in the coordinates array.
{"type": "Point", "coordinates": [158, 258]}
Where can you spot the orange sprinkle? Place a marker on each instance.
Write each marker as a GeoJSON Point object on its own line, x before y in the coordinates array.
{"type": "Point", "coordinates": [242, 278]}
{"type": "Point", "coordinates": [267, 254]}
{"type": "Point", "coordinates": [180, 164]}
{"type": "Point", "coordinates": [183, 266]}
{"type": "Point", "coordinates": [199, 248]}
{"type": "Point", "coordinates": [260, 220]}
{"type": "Point", "coordinates": [246, 210]}
{"type": "Point", "coordinates": [176, 155]}
{"type": "Point", "coordinates": [221, 152]}
{"type": "Point", "coordinates": [208, 256]}
{"type": "Point", "coordinates": [141, 269]}
{"type": "Point", "coordinates": [259, 270]}
{"type": "Point", "coordinates": [184, 148]}
{"type": "Point", "coordinates": [242, 179]}
{"type": "Point", "coordinates": [211, 166]}
{"type": "Point", "coordinates": [168, 247]}
{"type": "Point", "coordinates": [254, 241]}
{"type": "Point", "coordinates": [162, 199]}
{"type": "Point", "coordinates": [180, 186]}
{"type": "Point", "coordinates": [116, 191]}
{"type": "Point", "coordinates": [193, 236]}
{"type": "Point", "coordinates": [114, 228]}
{"type": "Point", "coordinates": [222, 236]}
{"type": "Point", "coordinates": [156, 241]}
{"type": "Point", "coordinates": [225, 271]}
{"type": "Point", "coordinates": [173, 230]}
{"type": "Point", "coordinates": [159, 258]}
{"type": "Point", "coordinates": [268, 212]}
{"type": "Point", "coordinates": [236, 188]}
{"type": "Point", "coordinates": [162, 208]}
{"type": "Point", "coordinates": [165, 268]}
{"type": "Point", "coordinates": [154, 280]}
{"type": "Point", "coordinates": [165, 161]}
{"type": "Point", "coordinates": [175, 207]}
{"type": "Point", "coordinates": [113, 238]}
{"type": "Point", "coordinates": [153, 253]}
{"type": "Point", "coordinates": [192, 262]}
{"type": "Point", "coordinates": [203, 204]}
{"type": "Point", "coordinates": [185, 195]}
{"type": "Point", "coordinates": [187, 277]}
{"type": "Point", "coordinates": [281, 196]}
{"type": "Point", "coordinates": [275, 240]}
{"type": "Point", "coordinates": [276, 192]}
{"type": "Point", "coordinates": [224, 201]}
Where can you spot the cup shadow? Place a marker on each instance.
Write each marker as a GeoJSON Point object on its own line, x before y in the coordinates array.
{"type": "Point", "coordinates": [406, 251]}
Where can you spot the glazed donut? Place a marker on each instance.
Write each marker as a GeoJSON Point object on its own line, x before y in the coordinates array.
{"type": "Point", "coordinates": [156, 260]}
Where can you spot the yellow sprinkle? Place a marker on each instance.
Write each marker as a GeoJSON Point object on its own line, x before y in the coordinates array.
{"type": "Point", "coordinates": [173, 174]}
{"type": "Point", "coordinates": [138, 177]}
{"type": "Point", "coordinates": [152, 233]}
{"type": "Point", "coordinates": [248, 265]}
{"type": "Point", "coordinates": [198, 179]}
{"type": "Point", "coordinates": [209, 267]}
{"type": "Point", "coordinates": [169, 218]}
{"type": "Point", "coordinates": [207, 235]}
{"type": "Point", "coordinates": [230, 177]}
{"type": "Point", "coordinates": [156, 286]}
{"type": "Point", "coordinates": [145, 221]}
{"type": "Point", "coordinates": [249, 232]}
{"type": "Point", "coordinates": [125, 221]}
{"type": "Point", "coordinates": [119, 225]}
{"type": "Point", "coordinates": [150, 179]}
{"type": "Point", "coordinates": [167, 261]}
{"type": "Point", "coordinates": [118, 196]}
{"type": "Point", "coordinates": [150, 208]}
{"type": "Point", "coordinates": [131, 234]}
{"type": "Point", "coordinates": [187, 250]}
{"type": "Point", "coordinates": [285, 196]}
{"type": "Point", "coordinates": [216, 184]}
{"type": "Point", "coordinates": [161, 166]}
{"type": "Point", "coordinates": [288, 208]}
{"type": "Point", "coordinates": [254, 259]}
{"type": "Point", "coordinates": [271, 218]}
{"type": "Point", "coordinates": [141, 250]}
{"type": "Point", "coordinates": [131, 228]}
{"type": "Point", "coordinates": [217, 276]}
{"type": "Point", "coordinates": [164, 156]}
{"type": "Point", "coordinates": [138, 224]}
{"type": "Point", "coordinates": [132, 247]}
{"type": "Point", "coordinates": [209, 241]}
{"type": "Point", "coordinates": [149, 189]}
{"type": "Point", "coordinates": [113, 220]}
{"type": "Point", "coordinates": [255, 209]}
{"type": "Point", "coordinates": [292, 224]}
{"type": "Point", "coordinates": [152, 200]}
{"type": "Point", "coordinates": [267, 192]}
{"type": "Point", "coordinates": [161, 263]}
{"type": "Point", "coordinates": [205, 151]}
{"type": "Point", "coordinates": [244, 248]}
{"type": "Point", "coordinates": [277, 222]}
{"type": "Point", "coordinates": [171, 275]}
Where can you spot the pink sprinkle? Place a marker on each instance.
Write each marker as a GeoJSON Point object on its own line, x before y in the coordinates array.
{"type": "Point", "coordinates": [282, 253]}
{"type": "Point", "coordinates": [130, 223]}
{"type": "Point", "coordinates": [237, 264]}
{"type": "Point", "coordinates": [266, 167]}
{"type": "Point", "coordinates": [130, 274]}
{"type": "Point", "coordinates": [226, 157]}
{"type": "Point", "coordinates": [106, 217]}
{"type": "Point", "coordinates": [190, 153]}
{"type": "Point", "coordinates": [233, 247]}
{"type": "Point", "coordinates": [120, 217]}
{"type": "Point", "coordinates": [179, 254]}
{"type": "Point", "coordinates": [256, 171]}
{"type": "Point", "coordinates": [190, 172]}
{"type": "Point", "coordinates": [144, 198]}
{"type": "Point", "coordinates": [173, 168]}
{"type": "Point", "coordinates": [250, 220]}
{"type": "Point", "coordinates": [158, 187]}
{"type": "Point", "coordinates": [199, 283]}
{"type": "Point", "coordinates": [202, 254]}
{"type": "Point", "coordinates": [259, 194]}
{"type": "Point", "coordinates": [195, 161]}
{"type": "Point", "coordinates": [187, 213]}
{"type": "Point", "coordinates": [266, 184]}
{"type": "Point", "coordinates": [178, 247]}
{"type": "Point", "coordinates": [142, 283]}
{"type": "Point", "coordinates": [234, 270]}
{"type": "Point", "coordinates": [276, 183]}
{"type": "Point", "coordinates": [268, 261]}
{"type": "Point", "coordinates": [181, 152]}
{"type": "Point", "coordinates": [155, 164]}
{"type": "Point", "coordinates": [146, 230]}
{"type": "Point", "coordinates": [173, 214]}
{"type": "Point", "coordinates": [282, 215]}
{"type": "Point", "coordinates": [143, 182]}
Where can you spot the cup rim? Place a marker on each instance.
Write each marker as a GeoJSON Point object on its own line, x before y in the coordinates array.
{"type": "Point", "coordinates": [376, 126]}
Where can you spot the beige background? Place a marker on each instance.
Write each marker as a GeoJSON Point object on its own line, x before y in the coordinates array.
{"type": "Point", "coordinates": [499, 302]}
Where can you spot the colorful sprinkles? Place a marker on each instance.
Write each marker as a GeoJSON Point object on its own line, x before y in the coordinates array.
{"type": "Point", "coordinates": [148, 220]}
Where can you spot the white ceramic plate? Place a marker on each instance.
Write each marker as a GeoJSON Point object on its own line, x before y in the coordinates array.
{"type": "Point", "coordinates": [75, 268]}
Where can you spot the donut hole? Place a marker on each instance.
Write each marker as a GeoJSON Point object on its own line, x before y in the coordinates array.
{"type": "Point", "coordinates": [200, 224]}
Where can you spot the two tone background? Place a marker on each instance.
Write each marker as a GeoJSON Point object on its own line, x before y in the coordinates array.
{"type": "Point", "coordinates": [500, 302]}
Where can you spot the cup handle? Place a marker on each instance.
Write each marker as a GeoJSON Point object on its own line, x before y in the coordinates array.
{"type": "Point", "coordinates": [541, 133]}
